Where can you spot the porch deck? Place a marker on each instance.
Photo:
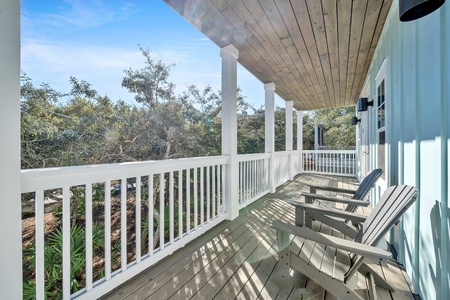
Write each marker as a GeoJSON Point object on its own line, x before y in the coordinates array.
{"type": "Point", "coordinates": [237, 259]}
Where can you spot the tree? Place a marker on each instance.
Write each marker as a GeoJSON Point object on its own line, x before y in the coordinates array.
{"type": "Point", "coordinates": [308, 132]}
{"type": "Point", "coordinates": [150, 84]}
{"type": "Point", "coordinates": [39, 125]}
{"type": "Point", "coordinates": [336, 122]}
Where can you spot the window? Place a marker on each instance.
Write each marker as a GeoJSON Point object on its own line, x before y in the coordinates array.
{"type": "Point", "coordinates": [381, 128]}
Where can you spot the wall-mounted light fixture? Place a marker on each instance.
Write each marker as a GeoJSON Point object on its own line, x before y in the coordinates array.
{"type": "Point", "coordinates": [411, 10]}
{"type": "Point", "coordinates": [355, 120]}
{"type": "Point", "coordinates": [363, 104]}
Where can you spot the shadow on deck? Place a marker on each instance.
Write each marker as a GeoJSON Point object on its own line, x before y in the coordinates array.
{"type": "Point", "coordinates": [237, 259]}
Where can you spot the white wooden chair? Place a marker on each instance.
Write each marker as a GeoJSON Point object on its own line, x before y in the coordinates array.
{"type": "Point", "coordinates": [334, 262]}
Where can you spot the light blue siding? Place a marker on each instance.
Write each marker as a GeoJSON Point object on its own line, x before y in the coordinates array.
{"type": "Point", "coordinates": [418, 122]}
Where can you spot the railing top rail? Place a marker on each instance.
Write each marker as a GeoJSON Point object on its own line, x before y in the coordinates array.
{"type": "Point", "coordinates": [282, 153]}
{"type": "Point", "coordinates": [254, 156]}
{"type": "Point", "coordinates": [330, 151]}
{"type": "Point", "coordinates": [51, 178]}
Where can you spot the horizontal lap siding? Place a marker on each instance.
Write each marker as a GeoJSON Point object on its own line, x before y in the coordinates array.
{"type": "Point", "coordinates": [417, 116]}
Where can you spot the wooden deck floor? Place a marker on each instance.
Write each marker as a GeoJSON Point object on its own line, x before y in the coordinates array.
{"type": "Point", "coordinates": [237, 260]}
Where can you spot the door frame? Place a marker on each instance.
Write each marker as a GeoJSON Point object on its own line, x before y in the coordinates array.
{"type": "Point", "coordinates": [381, 76]}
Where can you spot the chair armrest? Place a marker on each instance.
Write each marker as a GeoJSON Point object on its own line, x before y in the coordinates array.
{"type": "Point", "coordinates": [313, 188]}
{"type": "Point", "coordinates": [335, 199]}
{"type": "Point", "coordinates": [346, 245]}
{"type": "Point", "coordinates": [328, 211]}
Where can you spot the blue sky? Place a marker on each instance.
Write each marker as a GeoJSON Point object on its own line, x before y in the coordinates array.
{"type": "Point", "coordinates": [95, 40]}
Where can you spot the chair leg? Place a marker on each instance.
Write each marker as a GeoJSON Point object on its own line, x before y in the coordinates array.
{"type": "Point", "coordinates": [299, 216]}
{"type": "Point", "coordinates": [308, 215]}
{"type": "Point", "coordinates": [283, 242]}
{"type": "Point", "coordinates": [308, 219]}
{"type": "Point", "coordinates": [372, 290]}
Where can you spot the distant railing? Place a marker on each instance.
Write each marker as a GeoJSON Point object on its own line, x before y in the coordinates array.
{"type": "Point", "coordinates": [335, 162]}
{"type": "Point", "coordinates": [184, 197]}
{"type": "Point", "coordinates": [326, 148]}
{"type": "Point", "coordinates": [253, 177]}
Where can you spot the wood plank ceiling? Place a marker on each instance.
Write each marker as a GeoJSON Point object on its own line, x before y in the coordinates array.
{"type": "Point", "coordinates": [316, 52]}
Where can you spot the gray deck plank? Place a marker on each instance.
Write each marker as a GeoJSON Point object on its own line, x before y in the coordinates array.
{"type": "Point", "coordinates": [233, 272]}
{"type": "Point", "coordinates": [393, 274]}
{"type": "Point", "coordinates": [211, 249]}
{"type": "Point", "coordinates": [205, 283]}
{"type": "Point", "coordinates": [185, 284]}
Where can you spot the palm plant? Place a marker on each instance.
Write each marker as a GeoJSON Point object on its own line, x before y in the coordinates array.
{"type": "Point", "coordinates": [53, 261]}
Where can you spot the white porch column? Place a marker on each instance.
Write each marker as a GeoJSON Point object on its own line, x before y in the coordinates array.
{"type": "Point", "coordinates": [300, 138]}
{"type": "Point", "coordinates": [316, 137]}
{"type": "Point", "coordinates": [270, 131]}
{"type": "Point", "coordinates": [289, 136]}
{"type": "Point", "coordinates": [10, 212]}
{"type": "Point", "coordinates": [229, 56]}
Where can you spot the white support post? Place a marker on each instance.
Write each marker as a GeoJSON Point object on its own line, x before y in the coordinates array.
{"type": "Point", "coordinates": [289, 136]}
{"type": "Point", "coordinates": [229, 56]}
{"type": "Point", "coordinates": [10, 212]}
{"type": "Point", "coordinates": [358, 152]}
{"type": "Point", "coordinates": [316, 137]}
{"type": "Point", "coordinates": [300, 138]}
{"type": "Point", "coordinates": [270, 131]}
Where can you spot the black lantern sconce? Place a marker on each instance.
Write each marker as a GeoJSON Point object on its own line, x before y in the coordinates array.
{"type": "Point", "coordinates": [411, 10]}
{"type": "Point", "coordinates": [363, 104]}
{"type": "Point", "coordinates": [355, 120]}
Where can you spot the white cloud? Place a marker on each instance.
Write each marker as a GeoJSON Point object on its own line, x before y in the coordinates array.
{"type": "Point", "coordinates": [59, 57]}
{"type": "Point", "coordinates": [101, 66]}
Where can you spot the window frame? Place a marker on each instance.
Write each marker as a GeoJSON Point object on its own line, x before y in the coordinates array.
{"type": "Point", "coordinates": [381, 78]}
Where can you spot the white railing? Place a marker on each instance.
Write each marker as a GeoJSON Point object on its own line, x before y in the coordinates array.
{"type": "Point", "coordinates": [253, 177]}
{"type": "Point", "coordinates": [281, 167]}
{"type": "Point", "coordinates": [333, 162]}
{"type": "Point", "coordinates": [147, 210]}
{"type": "Point", "coordinates": [184, 197]}
{"type": "Point", "coordinates": [326, 148]}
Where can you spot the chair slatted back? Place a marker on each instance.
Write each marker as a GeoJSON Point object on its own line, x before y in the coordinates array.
{"type": "Point", "coordinates": [364, 188]}
{"type": "Point", "coordinates": [394, 202]}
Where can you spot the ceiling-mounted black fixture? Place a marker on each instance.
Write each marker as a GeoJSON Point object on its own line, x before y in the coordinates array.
{"type": "Point", "coordinates": [355, 120]}
{"type": "Point", "coordinates": [363, 104]}
{"type": "Point", "coordinates": [411, 10]}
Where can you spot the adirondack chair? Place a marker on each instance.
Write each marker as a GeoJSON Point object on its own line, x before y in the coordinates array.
{"type": "Point", "coordinates": [333, 262]}
{"type": "Point", "coordinates": [352, 204]}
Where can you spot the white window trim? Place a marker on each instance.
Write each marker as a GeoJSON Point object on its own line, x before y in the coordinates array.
{"type": "Point", "coordinates": [382, 75]}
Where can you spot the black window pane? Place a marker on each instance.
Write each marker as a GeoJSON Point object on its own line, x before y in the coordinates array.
{"type": "Point", "coordinates": [381, 151]}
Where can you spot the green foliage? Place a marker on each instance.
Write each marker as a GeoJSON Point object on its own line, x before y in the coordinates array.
{"type": "Point", "coordinates": [339, 133]}
{"type": "Point", "coordinates": [53, 261]}
{"type": "Point", "coordinates": [82, 127]}
{"type": "Point", "coordinates": [308, 132]}
{"type": "Point", "coordinates": [150, 84]}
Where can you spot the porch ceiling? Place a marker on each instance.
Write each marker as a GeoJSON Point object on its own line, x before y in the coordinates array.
{"type": "Point", "coordinates": [316, 52]}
